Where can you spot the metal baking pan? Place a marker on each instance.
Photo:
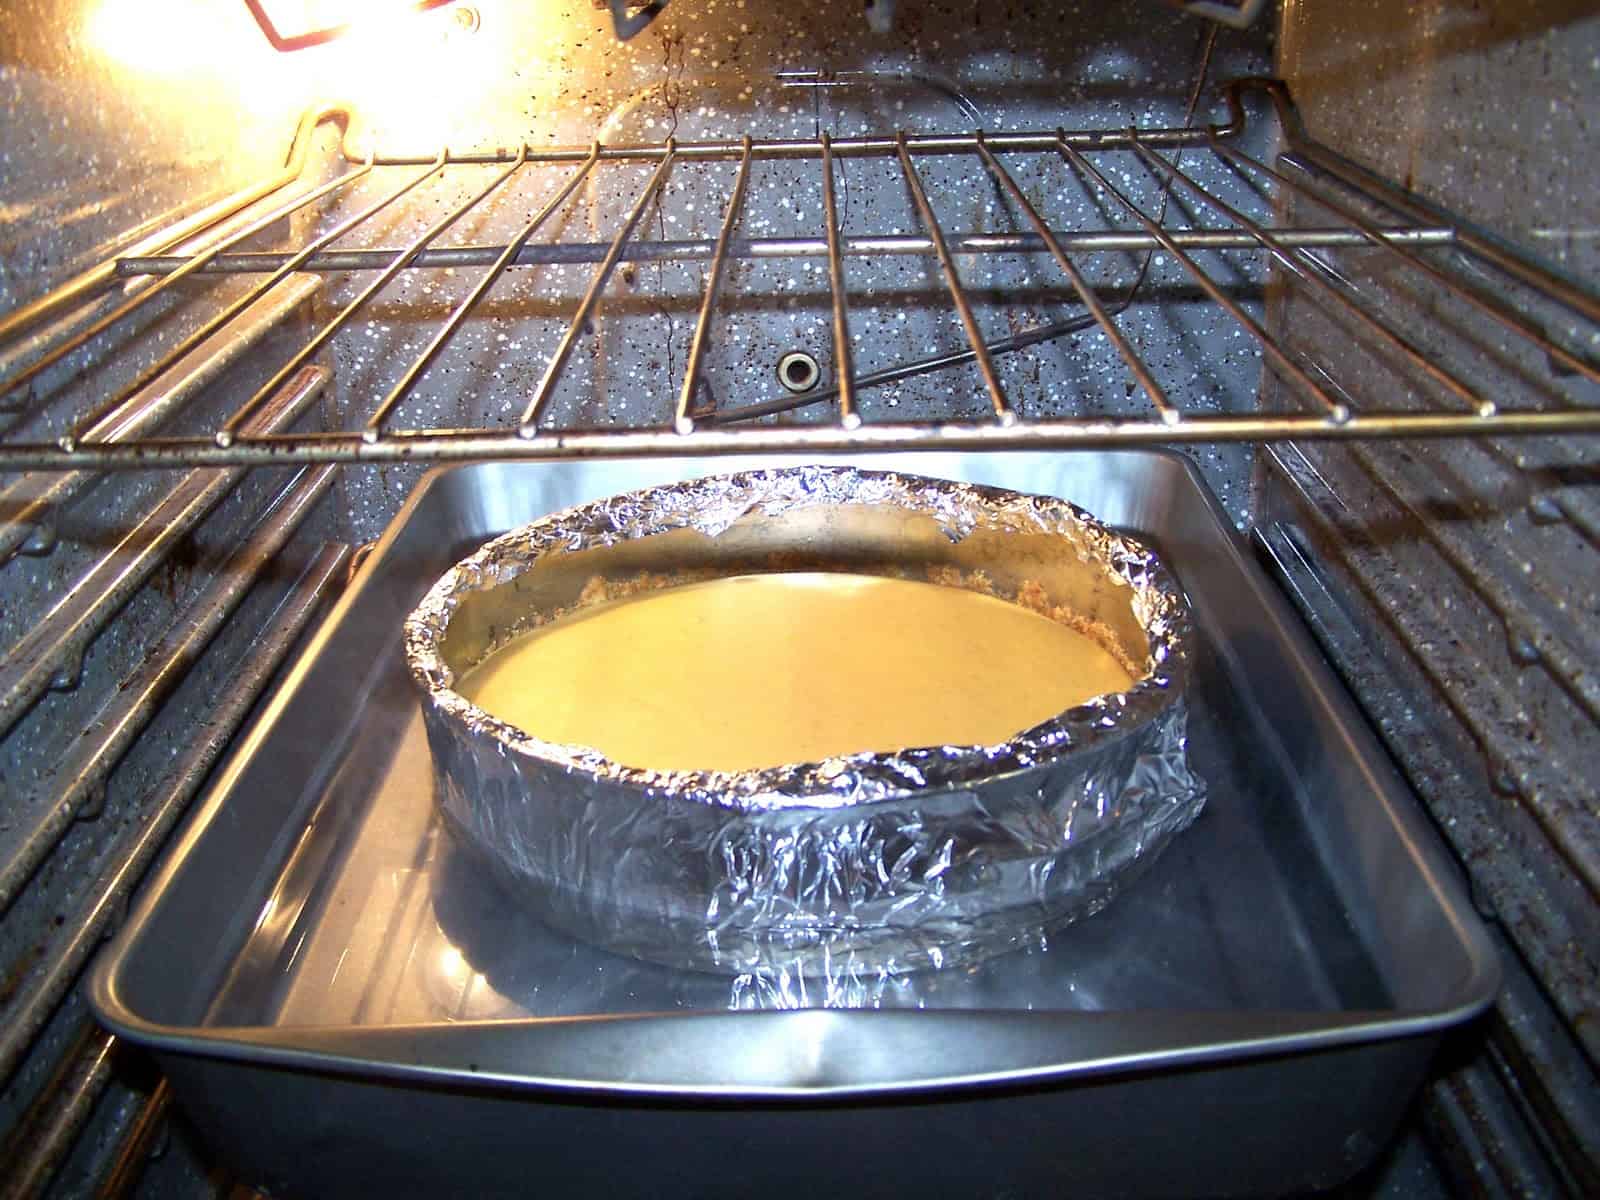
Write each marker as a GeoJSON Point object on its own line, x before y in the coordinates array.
{"type": "Point", "coordinates": [344, 1005]}
{"type": "Point", "coordinates": [912, 857]}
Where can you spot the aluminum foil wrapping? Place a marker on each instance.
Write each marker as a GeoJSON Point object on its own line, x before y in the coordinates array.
{"type": "Point", "coordinates": [867, 865]}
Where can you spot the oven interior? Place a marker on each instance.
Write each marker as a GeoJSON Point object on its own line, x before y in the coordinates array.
{"type": "Point", "coordinates": [1340, 256]}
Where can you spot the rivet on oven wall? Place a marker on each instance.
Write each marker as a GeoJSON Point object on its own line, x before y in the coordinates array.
{"type": "Point", "coordinates": [41, 540]}
{"type": "Point", "coordinates": [1503, 780]}
{"type": "Point", "coordinates": [1521, 647]}
{"type": "Point", "coordinates": [798, 371]}
{"type": "Point", "coordinates": [94, 804]}
{"type": "Point", "coordinates": [69, 676]}
{"type": "Point", "coordinates": [1545, 511]}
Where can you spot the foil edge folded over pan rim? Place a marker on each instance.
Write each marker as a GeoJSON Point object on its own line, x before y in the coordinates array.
{"type": "Point", "coordinates": [712, 504]}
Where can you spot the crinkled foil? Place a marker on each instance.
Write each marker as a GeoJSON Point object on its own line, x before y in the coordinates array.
{"type": "Point", "coordinates": [868, 864]}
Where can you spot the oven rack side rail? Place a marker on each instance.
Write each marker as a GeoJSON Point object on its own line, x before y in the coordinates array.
{"type": "Point", "coordinates": [1308, 173]}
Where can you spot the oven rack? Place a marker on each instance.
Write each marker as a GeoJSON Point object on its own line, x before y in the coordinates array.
{"type": "Point", "coordinates": [110, 436]}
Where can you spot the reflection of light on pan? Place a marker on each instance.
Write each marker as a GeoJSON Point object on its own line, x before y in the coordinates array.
{"type": "Point", "coordinates": [448, 978]}
{"type": "Point", "coordinates": [458, 990]}
{"type": "Point", "coordinates": [452, 965]}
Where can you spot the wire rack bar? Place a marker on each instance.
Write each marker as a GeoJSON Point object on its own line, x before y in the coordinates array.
{"type": "Point", "coordinates": [85, 765]}
{"type": "Point", "coordinates": [291, 264]}
{"type": "Point", "coordinates": [471, 445]}
{"type": "Point", "coordinates": [106, 899]}
{"type": "Point", "coordinates": [89, 284]}
{"type": "Point", "coordinates": [529, 425]}
{"type": "Point", "coordinates": [398, 393]}
{"type": "Point", "coordinates": [1003, 411]}
{"type": "Point", "coordinates": [231, 428]}
{"type": "Point", "coordinates": [1385, 193]}
{"type": "Point", "coordinates": [30, 501]}
{"type": "Point", "coordinates": [51, 652]}
{"type": "Point", "coordinates": [1152, 389]}
{"type": "Point", "coordinates": [134, 303]}
{"type": "Point", "coordinates": [699, 249]}
{"type": "Point", "coordinates": [1383, 239]}
{"type": "Point", "coordinates": [1309, 270]}
{"type": "Point", "coordinates": [732, 149]}
{"type": "Point", "coordinates": [692, 422]}
{"type": "Point", "coordinates": [1337, 412]}
{"type": "Point", "coordinates": [843, 363]}
{"type": "Point", "coordinates": [683, 422]}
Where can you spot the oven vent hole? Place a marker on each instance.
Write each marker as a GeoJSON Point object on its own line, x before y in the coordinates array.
{"type": "Point", "coordinates": [798, 371]}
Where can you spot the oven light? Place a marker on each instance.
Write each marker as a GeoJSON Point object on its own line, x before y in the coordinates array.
{"type": "Point", "coordinates": [221, 81]}
{"type": "Point", "coordinates": [168, 37]}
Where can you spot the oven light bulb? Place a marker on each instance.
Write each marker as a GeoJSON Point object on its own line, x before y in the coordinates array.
{"type": "Point", "coordinates": [162, 37]}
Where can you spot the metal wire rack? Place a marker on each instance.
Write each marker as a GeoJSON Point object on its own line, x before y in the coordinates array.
{"type": "Point", "coordinates": [106, 438]}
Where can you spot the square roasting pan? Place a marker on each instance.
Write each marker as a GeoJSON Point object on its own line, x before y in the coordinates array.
{"type": "Point", "coordinates": [345, 1005]}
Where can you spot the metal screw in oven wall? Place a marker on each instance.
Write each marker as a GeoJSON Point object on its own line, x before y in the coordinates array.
{"type": "Point", "coordinates": [798, 371]}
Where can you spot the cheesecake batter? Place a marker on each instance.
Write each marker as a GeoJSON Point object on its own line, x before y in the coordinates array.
{"type": "Point", "coordinates": [756, 671]}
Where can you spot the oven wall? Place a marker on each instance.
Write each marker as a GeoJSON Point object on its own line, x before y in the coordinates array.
{"type": "Point", "coordinates": [1455, 583]}
{"type": "Point", "coordinates": [99, 144]}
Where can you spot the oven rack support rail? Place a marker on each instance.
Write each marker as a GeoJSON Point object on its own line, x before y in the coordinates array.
{"type": "Point", "coordinates": [98, 439]}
